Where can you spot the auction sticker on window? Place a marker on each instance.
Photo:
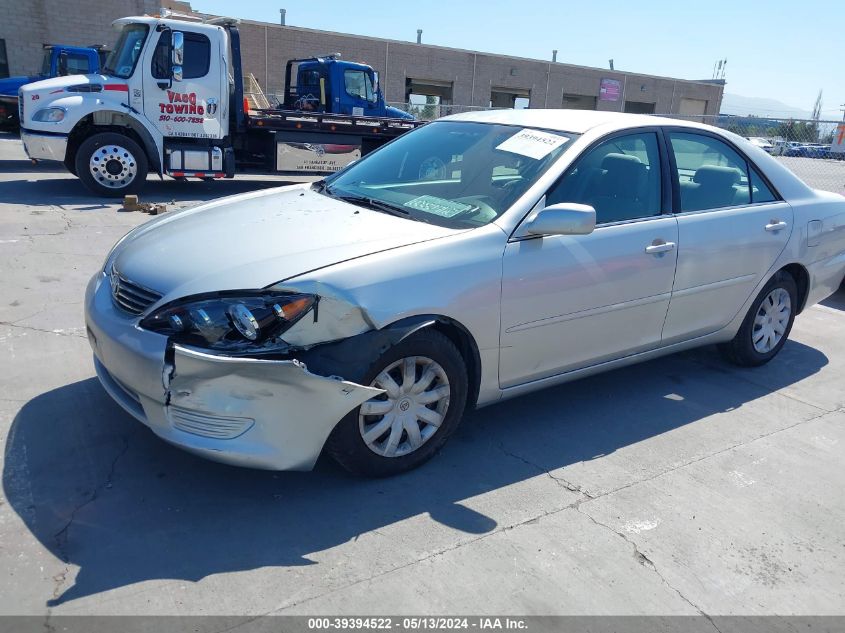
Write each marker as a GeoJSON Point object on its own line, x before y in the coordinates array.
{"type": "Point", "coordinates": [532, 143]}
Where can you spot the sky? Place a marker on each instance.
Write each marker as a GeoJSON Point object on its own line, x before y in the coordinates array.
{"type": "Point", "coordinates": [776, 49]}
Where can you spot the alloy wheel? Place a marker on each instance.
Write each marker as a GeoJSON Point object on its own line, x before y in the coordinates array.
{"type": "Point", "coordinates": [113, 166]}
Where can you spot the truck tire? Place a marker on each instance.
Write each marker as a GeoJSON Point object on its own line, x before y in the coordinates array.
{"type": "Point", "coordinates": [111, 165]}
{"type": "Point", "coordinates": [424, 370]}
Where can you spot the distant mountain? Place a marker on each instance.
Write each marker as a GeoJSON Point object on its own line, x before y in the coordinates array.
{"type": "Point", "coordinates": [761, 107]}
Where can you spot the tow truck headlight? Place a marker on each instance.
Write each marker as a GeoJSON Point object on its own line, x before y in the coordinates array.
{"type": "Point", "coordinates": [49, 115]}
{"type": "Point", "coordinates": [232, 323]}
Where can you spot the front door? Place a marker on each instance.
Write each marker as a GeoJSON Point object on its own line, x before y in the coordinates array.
{"type": "Point", "coordinates": [360, 98]}
{"type": "Point", "coordinates": [192, 107]}
{"type": "Point", "coordinates": [573, 301]}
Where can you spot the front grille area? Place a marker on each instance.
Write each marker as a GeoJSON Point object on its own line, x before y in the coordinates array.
{"type": "Point", "coordinates": [208, 425]}
{"type": "Point", "coordinates": [129, 296]}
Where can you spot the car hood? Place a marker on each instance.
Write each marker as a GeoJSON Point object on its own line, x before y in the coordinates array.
{"type": "Point", "coordinates": [254, 240]}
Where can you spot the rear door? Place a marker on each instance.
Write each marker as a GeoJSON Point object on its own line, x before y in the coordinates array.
{"type": "Point", "coordinates": [190, 108]}
{"type": "Point", "coordinates": [732, 226]}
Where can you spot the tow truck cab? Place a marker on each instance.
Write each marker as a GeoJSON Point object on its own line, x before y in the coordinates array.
{"type": "Point", "coordinates": [170, 100]}
{"type": "Point", "coordinates": [329, 84]}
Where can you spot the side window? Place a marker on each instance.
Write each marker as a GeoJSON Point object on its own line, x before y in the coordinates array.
{"type": "Point", "coordinates": [711, 174]}
{"type": "Point", "coordinates": [197, 56]}
{"type": "Point", "coordinates": [160, 67]}
{"type": "Point", "coordinates": [195, 62]}
{"type": "Point", "coordinates": [620, 179]}
{"type": "Point", "coordinates": [358, 84]}
{"type": "Point", "coordinates": [760, 192]}
{"type": "Point", "coordinates": [77, 64]}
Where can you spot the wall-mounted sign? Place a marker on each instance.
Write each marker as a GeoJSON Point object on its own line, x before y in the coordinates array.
{"type": "Point", "coordinates": [610, 90]}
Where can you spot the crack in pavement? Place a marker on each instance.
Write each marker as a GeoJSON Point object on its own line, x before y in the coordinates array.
{"type": "Point", "coordinates": [646, 562]}
{"type": "Point", "coordinates": [61, 537]}
{"type": "Point", "coordinates": [13, 324]}
{"type": "Point", "coordinates": [557, 479]}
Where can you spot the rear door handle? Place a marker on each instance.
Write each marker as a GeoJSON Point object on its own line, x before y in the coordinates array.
{"type": "Point", "coordinates": [775, 225]}
{"type": "Point", "coordinates": [659, 247]}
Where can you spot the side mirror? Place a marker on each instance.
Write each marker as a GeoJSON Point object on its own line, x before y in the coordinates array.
{"type": "Point", "coordinates": [177, 48]}
{"type": "Point", "coordinates": [176, 73]}
{"type": "Point", "coordinates": [375, 84]}
{"type": "Point", "coordinates": [565, 218]}
{"type": "Point", "coordinates": [61, 69]}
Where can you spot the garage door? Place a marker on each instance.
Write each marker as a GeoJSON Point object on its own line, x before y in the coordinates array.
{"type": "Point", "coordinates": [693, 106]}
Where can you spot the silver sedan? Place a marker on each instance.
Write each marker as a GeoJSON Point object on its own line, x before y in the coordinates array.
{"type": "Point", "coordinates": [474, 259]}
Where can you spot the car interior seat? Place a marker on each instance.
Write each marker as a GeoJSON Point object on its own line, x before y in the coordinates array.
{"type": "Point", "coordinates": [712, 187]}
{"type": "Point", "coordinates": [618, 194]}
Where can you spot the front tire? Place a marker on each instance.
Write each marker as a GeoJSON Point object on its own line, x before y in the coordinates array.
{"type": "Point", "coordinates": [767, 325]}
{"type": "Point", "coordinates": [111, 165]}
{"type": "Point", "coordinates": [425, 383]}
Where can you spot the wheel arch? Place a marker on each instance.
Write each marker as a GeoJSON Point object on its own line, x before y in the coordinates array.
{"type": "Point", "coordinates": [116, 122]}
{"type": "Point", "coordinates": [460, 336]}
{"type": "Point", "coordinates": [350, 358]}
{"type": "Point", "coordinates": [802, 279]}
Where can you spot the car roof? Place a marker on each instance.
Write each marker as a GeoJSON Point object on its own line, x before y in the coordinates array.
{"type": "Point", "coordinates": [574, 121]}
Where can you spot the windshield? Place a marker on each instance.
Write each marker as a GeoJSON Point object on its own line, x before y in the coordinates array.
{"type": "Point", "coordinates": [121, 61]}
{"type": "Point", "coordinates": [451, 173]}
{"type": "Point", "coordinates": [45, 64]}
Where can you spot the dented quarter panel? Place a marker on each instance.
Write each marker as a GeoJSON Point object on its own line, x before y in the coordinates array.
{"type": "Point", "coordinates": [293, 410]}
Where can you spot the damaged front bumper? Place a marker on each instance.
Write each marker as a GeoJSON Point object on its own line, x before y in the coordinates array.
{"type": "Point", "coordinates": [271, 414]}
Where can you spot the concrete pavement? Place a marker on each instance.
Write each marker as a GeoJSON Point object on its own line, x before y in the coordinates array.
{"type": "Point", "coordinates": [680, 486]}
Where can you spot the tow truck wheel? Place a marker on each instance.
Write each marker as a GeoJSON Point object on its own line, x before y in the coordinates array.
{"type": "Point", "coordinates": [111, 164]}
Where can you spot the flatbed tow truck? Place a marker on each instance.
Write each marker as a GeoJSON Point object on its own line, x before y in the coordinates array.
{"type": "Point", "coordinates": [170, 100]}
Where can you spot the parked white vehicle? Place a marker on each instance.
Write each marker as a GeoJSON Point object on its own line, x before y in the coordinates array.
{"type": "Point", "coordinates": [477, 258]}
{"type": "Point", "coordinates": [763, 143]}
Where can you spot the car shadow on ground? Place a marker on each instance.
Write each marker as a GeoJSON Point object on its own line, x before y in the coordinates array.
{"type": "Point", "coordinates": [101, 492]}
{"type": "Point", "coordinates": [68, 190]}
{"type": "Point", "coordinates": [836, 300]}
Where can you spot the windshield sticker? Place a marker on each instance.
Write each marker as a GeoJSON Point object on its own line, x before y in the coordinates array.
{"type": "Point", "coordinates": [532, 143]}
{"type": "Point", "coordinates": [438, 206]}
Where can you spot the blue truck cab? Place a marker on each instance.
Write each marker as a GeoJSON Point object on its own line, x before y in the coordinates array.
{"type": "Point", "coordinates": [59, 60]}
{"type": "Point", "coordinates": [333, 86]}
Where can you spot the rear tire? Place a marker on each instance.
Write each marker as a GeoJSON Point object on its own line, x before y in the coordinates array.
{"type": "Point", "coordinates": [111, 165]}
{"type": "Point", "coordinates": [408, 427]}
{"type": "Point", "coordinates": [766, 326]}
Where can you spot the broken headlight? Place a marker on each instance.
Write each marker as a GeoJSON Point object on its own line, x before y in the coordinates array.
{"type": "Point", "coordinates": [231, 323]}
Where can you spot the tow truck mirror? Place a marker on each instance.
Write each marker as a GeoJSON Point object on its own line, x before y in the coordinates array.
{"type": "Point", "coordinates": [375, 82]}
{"type": "Point", "coordinates": [177, 50]}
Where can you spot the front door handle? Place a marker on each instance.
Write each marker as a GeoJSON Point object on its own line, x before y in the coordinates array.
{"type": "Point", "coordinates": [775, 225]}
{"type": "Point", "coordinates": [659, 246]}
